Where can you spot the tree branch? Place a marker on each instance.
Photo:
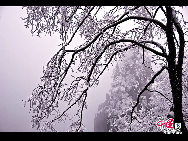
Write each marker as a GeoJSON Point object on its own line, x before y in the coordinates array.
{"type": "Point", "coordinates": [85, 91]}
{"type": "Point", "coordinates": [182, 42]}
{"type": "Point", "coordinates": [160, 94]}
{"type": "Point", "coordinates": [82, 112]}
{"type": "Point", "coordinates": [151, 17]}
{"type": "Point", "coordinates": [157, 44]}
{"type": "Point", "coordinates": [148, 11]}
{"type": "Point", "coordinates": [145, 47]}
{"type": "Point", "coordinates": [78, 27]}
{"type": "Point", "coordinates": [137, 18]}
{"type": "Point", "coordinates": [97, 11]}
{"type": "Point", "coordinates": [70, 50]}
{"type": "Point", "coordinates": [145, 88]}
{"type": "Point", "coordinates": [88, 79]}
{"type": "Point", "coordinates": [121, 40]}
{"type": "Point", "coordinates": [112, 25]}
{"type": "Point", "coordinates": [126, 13]}
{"type": "Point", "coordinates": [156, 12]}
{"type": "Point", "coordinates": [111, 43]}
{"type": "Point", "coordinates": [115, 53]}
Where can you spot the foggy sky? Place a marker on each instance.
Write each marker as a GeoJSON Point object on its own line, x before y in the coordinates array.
{"type": "Point", "coordinates": [22, 57]}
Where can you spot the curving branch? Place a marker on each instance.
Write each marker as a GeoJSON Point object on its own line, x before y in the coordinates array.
{"type": "Point", "coordinates": [147, 48]}
{"type": "Point", "coordinates": [82, 49]}
{"type": "Point", "coordinates": [97, 59]}
{"type": "Point", "coordinates": [62, 73]}
{"type": "Point", "coordinates": [106, 28]}
{"type": "Point", "coordinates": [151, 17]}
{"type": "Point", "coordinates": [156, 12]}
{"type": "Point", "coordinates": [120, 41]}
{"type": "Point", "coordinates": [156, 44]}
{"type": "Point", "coordinates": [156, 22]}
{"type": "Point", "coordinates": [115, 53]}
{"type": "Point", "coordinates": [182, 43]}
{"type": "Point", "coordinates": [122, 16]}
{"type": "Point", "coordinates": [89, 77]}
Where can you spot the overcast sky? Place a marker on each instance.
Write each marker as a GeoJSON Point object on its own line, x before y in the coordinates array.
{"type": "Point", "coordinates": [22, 57]}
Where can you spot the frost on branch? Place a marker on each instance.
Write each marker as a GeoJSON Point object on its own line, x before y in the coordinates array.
{"type": "Point", "coordinates": [75, 68]}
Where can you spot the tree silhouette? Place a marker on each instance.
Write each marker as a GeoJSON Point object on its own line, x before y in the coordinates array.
{"type": "Point", "coordinates": [108, 32]}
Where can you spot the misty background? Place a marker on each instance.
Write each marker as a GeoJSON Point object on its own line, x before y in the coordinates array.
{"type": "Point", "coordinates": [22, 58]}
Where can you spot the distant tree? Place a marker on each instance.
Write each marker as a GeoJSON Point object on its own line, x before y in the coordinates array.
{"type": "Point", "coordinates": [122, 96]}
{"type": "Point", "coordinates": [107, 32]}
{"type": "Point", "coordinates": [130, 76]}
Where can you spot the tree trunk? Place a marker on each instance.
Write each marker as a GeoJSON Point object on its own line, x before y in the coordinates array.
{"type": "Point", "coordinates": [176, 88]}
{"type": "Point", "coordinates": [175, 70]}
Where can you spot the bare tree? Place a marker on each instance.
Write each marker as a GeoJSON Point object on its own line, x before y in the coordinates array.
{"type": "Point", "coordinates": [157, 29]}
